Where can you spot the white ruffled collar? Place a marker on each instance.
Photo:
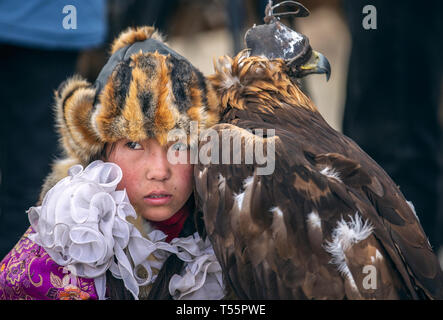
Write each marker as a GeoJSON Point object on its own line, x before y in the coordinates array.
{"type": "Point", "coordinates": [82, 223]}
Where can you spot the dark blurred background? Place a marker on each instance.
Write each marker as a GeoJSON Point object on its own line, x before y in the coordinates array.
{"type": "Point", "coordinates": [385, 91]}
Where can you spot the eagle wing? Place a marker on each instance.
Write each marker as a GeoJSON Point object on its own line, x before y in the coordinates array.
{"type": "Point", "coordinates": [327, 223]}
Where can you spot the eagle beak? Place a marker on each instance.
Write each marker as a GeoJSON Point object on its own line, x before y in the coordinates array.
{"type": "Point", "coordinates": [317, 64]}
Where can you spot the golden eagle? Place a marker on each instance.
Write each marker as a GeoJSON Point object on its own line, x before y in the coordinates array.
{"type": "Point", "coordinates": [327, 222]}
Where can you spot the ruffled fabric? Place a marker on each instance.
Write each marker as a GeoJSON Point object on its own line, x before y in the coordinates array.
{"type": "Point", "coordinates": [82, 224]}
{"type": "Point", "coordinates": [201, 279]}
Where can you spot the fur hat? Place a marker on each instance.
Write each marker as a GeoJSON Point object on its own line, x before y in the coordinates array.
{"type": "Point", "coordinates": [145, 90]}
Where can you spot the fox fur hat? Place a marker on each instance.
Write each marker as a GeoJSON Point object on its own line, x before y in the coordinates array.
{"type": "Point", "coordinates": [145, 90]}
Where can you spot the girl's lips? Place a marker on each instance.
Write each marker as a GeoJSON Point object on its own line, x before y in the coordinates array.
{"type": "Point", "coordinates": [158, 201]}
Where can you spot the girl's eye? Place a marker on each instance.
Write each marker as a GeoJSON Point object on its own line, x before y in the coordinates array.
{"type": "Point", "coordinates": [134, 145]}
{"type": "Point", "coordinates": [179, 146]}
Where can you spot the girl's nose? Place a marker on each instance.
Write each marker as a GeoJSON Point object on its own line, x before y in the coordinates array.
{"type": "Point", "coordinates": [158, 166]}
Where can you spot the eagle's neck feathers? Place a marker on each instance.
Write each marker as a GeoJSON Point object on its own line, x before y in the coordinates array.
{"type": "Point", "coordinates": [243, 79]}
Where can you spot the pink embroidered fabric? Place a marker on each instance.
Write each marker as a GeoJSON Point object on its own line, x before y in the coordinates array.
{"type": "Point", "coordinates": [29, 273]}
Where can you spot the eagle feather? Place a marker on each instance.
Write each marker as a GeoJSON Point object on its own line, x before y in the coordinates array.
{"type": "Point", "coordinates": [294, 234]}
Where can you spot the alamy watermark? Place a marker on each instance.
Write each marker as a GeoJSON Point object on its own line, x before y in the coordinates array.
{"type": "Point", "coordinates": [370, 19]}
{"type": "Point", "coordinates": [70, 18]}
{"type": "Point", "coordinates": [370, 281]}
{"type": "Point", "coordinates": [228, 146]}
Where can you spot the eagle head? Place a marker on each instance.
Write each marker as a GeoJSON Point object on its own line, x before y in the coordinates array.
{"type": "Point", "coordinates": [267, 71]}
{"type": "Point", "coordinates": [274, 40]}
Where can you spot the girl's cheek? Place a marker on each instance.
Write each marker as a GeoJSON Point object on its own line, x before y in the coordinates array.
{"type": "Point", "coordinates": [186, 174]}
{"type": "Point", "coordinates": [122, 184]}
{"type": "Point", "coordinates": [183, 170]}
{"type": "Point", "coordinates": [128, 179]}
{"type": "Point", "coordinates": [121, 157]}
{"type": "Point", "coordinates": [127, 176]}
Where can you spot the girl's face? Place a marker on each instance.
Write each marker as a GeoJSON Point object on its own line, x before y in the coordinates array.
{"type": "Point", "coordinates": [156, 188]}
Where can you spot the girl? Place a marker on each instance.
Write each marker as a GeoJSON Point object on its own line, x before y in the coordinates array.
{"type": "Point", "coordinates": [116, 218]}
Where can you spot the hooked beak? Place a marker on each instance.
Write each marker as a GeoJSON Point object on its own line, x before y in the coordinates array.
{"type": "Point", "coordinates": [317, 64]}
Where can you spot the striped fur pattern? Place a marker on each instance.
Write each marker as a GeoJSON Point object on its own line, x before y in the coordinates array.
{"type": "Point", "coordinates": [146, 96]}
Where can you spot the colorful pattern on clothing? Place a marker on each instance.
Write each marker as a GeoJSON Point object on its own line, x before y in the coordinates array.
{"type": "Point", "coordinates": [29, 273]}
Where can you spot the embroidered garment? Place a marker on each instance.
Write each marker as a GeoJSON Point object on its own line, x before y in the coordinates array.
{"type": "Point", "coordinates": [83, 229]}
{"type": "Point", "coordinates": [28, 272]}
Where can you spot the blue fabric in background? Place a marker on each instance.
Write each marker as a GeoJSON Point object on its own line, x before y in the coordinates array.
{"type": "Point", "coordinates": [39, 23]}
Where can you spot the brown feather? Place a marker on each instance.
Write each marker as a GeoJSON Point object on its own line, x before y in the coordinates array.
{"type": "Point", "coordinates": [279, 243]}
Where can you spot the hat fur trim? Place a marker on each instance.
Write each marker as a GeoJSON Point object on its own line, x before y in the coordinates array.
{"type": "Point", "coordinates": [132, 35]}
{"type": "Point", "coordinates": [146, 96]}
